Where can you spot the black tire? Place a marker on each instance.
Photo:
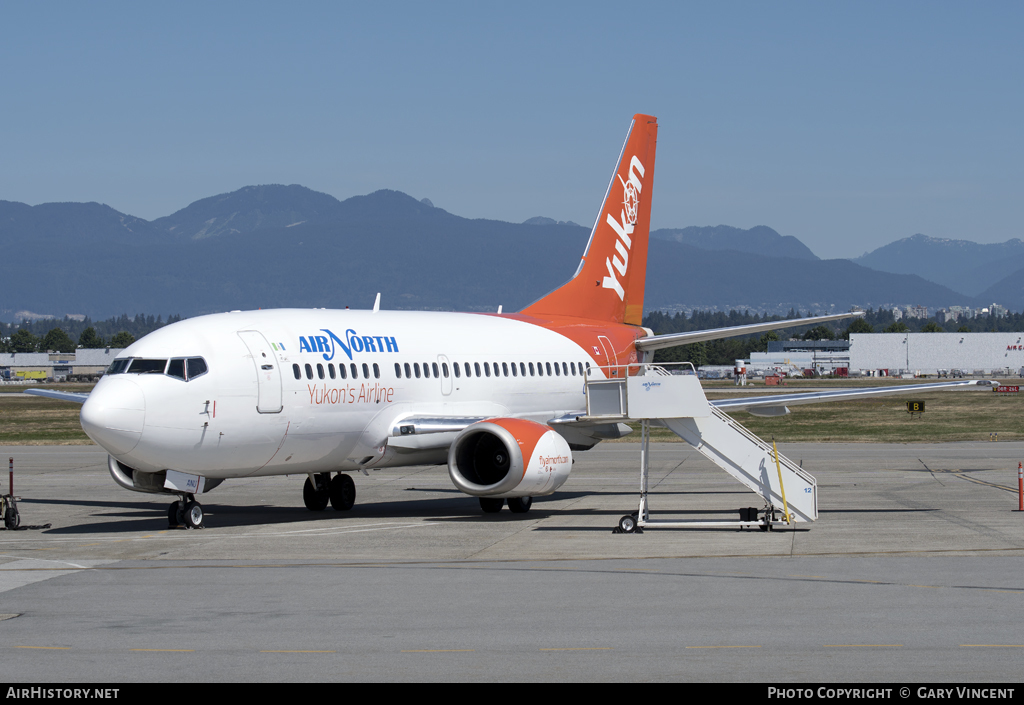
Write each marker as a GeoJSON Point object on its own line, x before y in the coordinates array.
{"type": "Point", "coordinates": [520, 505]}
{"type": "Point", "coordinates": [316, 501]}
{"type": "Point", "coordinates": [12, 518]}
{"type": "Point", "coordinates": [491, 505]}
{"type": "Point", "coordinates": [343, 492]}
{"type": "Point", "coordinates": [174, 520]}
{"type": "Point", "coordinates": [627, 524]}
{"type": "Point", "coordinates": [194, 515]}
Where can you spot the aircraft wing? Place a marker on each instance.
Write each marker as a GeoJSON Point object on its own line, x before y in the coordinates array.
{"type": "Point", "coordinates": [776, 404]}
{"type": "Point", "coordinates": [62, 396]}
{"type": "Point", "coordinates": [669, 340]}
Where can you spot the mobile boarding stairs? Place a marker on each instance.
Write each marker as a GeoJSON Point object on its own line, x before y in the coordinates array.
{"type": "Point", "coordinates": [670, 395]}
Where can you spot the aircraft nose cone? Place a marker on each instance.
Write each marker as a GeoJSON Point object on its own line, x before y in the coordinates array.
{"type": "Point", "coordinates": [114, 414]}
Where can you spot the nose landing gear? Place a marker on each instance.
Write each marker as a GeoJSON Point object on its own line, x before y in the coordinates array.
{"type": "Point", "coordinates": [185, 512]}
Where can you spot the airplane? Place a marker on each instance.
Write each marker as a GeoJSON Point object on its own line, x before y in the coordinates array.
{"type": "Point", "coordinates": [499, 397]}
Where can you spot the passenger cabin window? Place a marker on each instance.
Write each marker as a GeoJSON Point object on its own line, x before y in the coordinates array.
{"type": "Point", "coordinates": [444, 369]}
{"type": "Point", "coordinates": [376, 371]}
{"type": "Point", "coordinates": [426, 370]}
{"type": "Point", "coordinates": [320, 370]}
{"type": "Point", "coordinates": [295, 370]}
{"type": "Point", "coordinates": [433, 366]}
{"type": "Point", "coordinates": [330, 370]}
{"type": "Point", "coordinates": [487, 369]}
{"type": "Point", "coordinates": [366, 371]}
{"type": "Point", "coordinates": [309, 371]}
{"type": "Point", "coordinates": [514, 371]}
{"type": "Point", "coordinates": [548, 366]}
{"type": "Point", "coordinates": [342, 371]}
{"type": "Point", "coordinates": [476, 368]}
{"type": "Point", "coordinates": [355, 370]}
{"type": "Point", "coordinates": [408, 372]}
{"type": "Point", "coordinates": [455, 366]}
{"type": "Point", "coordinates": [416, 369]}
{"type": "Point", "coordinates": [398, 370]}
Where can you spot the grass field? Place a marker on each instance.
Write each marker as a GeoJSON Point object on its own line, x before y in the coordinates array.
{"type": "Point", "coordinates": [37, 421]}
{"type": "Point", "coordinates": [956, 415]}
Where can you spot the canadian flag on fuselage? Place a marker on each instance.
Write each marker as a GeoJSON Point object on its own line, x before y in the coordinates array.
{"type": "Point", "coordinates": [609, 283]}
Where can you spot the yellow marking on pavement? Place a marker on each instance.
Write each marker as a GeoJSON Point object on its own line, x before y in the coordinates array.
{"type": "Point", "coordinates": [842, 646]}
{"type": "Point", "coordinates": [172, 650]}
{"type": "Point", "coordinates": [748, 646]}
{"type": "Point", "coordinates": [43, 647]}
{"type": "Point", "coordinates": [295, 651]}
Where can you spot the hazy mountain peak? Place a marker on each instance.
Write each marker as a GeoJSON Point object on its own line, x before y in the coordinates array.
{"type": "Point", "coordinates": [541, 220]}
{"type": "Point", "coordinates": [249, 208]}
{"type": "Point", "coordinates": [760, 240]}
{"type": "Point", "coordinates": [962, 265]}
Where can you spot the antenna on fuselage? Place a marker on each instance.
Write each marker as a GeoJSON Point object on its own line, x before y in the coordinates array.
{"type": "Point", "coordinates": [376, 303]}
{"type": "Point", "coordinates": [499, 308]}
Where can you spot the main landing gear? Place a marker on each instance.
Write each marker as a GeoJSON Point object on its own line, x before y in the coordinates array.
{"type": "Point", "coordinates": [319, 489]}
{"type": "Point", "coordinates": [185, 512]}
{"type": "Point", "coordinates": [516, 505]}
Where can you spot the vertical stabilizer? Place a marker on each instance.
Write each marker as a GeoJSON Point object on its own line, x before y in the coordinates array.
{"type": "Point", "coordinates": [609, 283]}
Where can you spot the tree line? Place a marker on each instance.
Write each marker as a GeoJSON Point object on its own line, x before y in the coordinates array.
{"type": "Point", "coordinates": [69, 334]}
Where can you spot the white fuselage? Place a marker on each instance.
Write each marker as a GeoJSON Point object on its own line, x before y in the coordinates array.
{"type": "Point", "coordinates": [275, 401]}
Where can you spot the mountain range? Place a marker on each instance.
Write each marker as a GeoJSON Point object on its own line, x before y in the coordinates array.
{"type": "Point", "coordinates": [274, 246]}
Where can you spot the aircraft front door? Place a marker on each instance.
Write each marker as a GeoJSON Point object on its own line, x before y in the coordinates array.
{"type": "Point", "coordinates": [268, 372]}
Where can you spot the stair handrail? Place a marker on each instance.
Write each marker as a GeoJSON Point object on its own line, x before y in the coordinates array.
{"type": "Point", "coordinates": [762, 444]}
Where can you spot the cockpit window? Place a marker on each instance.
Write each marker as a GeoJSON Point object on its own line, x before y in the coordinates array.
{"type": "Point", "coordinates": [118, 366]}
{"type": "Point", "coordinates": [176, 368]}
{"type": "Point", "coordinates": [144, 366]}
{"type": "Point", "coordinates": [196, 366]}
{"type": "Point", "coordinates": [184, 368]}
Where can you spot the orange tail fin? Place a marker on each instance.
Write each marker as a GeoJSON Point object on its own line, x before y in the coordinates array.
{"type": "Point", "coordinates": [609, 283]}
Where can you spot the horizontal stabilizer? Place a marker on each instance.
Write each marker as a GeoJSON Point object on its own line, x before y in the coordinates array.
{"type": "Point", "coordinates": [670, 340]}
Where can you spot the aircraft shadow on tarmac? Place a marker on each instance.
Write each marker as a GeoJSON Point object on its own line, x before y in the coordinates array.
{"type": "Point", "coordinates": [450, 506]}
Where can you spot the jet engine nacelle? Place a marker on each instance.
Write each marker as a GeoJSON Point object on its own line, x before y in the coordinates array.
{"type": "Point", "coordinates": [509, 458]}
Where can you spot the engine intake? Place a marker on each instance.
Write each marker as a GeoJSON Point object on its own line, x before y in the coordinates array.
{"type": "Point", "coordinates": [509, 458]}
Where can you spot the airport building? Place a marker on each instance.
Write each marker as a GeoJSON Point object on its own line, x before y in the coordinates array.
{"type": "Point", "coordinates": [937, 353]}
{"type": "Point", "coordinates": [83, 363]}
{"type": "Point", "coordinates": [825, 357]}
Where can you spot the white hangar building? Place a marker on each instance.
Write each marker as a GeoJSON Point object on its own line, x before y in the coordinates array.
{"type": "Point", "coordinates": [927, 353]}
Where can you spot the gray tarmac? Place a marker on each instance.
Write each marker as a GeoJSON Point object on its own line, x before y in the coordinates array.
{"type": "Point", "coordinates": [913, 572]}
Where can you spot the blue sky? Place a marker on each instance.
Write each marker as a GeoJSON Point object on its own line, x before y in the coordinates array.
{"type": "Point", "coordinates": [846, 125]}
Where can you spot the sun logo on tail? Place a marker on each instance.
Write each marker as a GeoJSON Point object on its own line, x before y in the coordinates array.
{"type": "Point", "coordinates": [630, 201]}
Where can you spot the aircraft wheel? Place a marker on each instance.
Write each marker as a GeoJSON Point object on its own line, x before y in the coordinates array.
{"type": "Point", "coordinates": [316, 500]}
{"type": "Point", "coordinates": [12, 518]}
{"type": "Point", "coordinates": [174, 517]}
{"type": "Point", "coordinates": [520, 505]}
{"type": "Point", "coordinates": [194, 515]}
{"type": "Point", "coordinates": [491, 505]}
{"type": "Point", "coordinates": [343, 492]}
{"type": "Point", "coordinates": [627, 524]}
